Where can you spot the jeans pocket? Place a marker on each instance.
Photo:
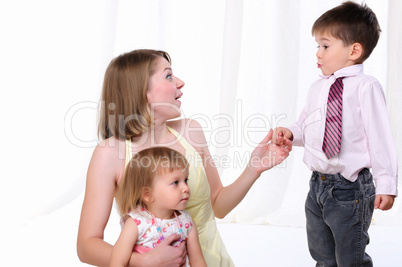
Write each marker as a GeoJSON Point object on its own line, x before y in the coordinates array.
{"type": "Point", "coordinates": [344, 192]}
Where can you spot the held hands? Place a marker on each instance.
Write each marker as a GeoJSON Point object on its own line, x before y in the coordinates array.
{"type": "Point", "coordinates": [384, 202]}
{"type": "Point", "coordinates": [280, 135]}
{"type": "Point", "coordinates": [269, 154]}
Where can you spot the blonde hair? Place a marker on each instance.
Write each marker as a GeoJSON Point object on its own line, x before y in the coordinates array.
{"type": "Point", "coordinates": [124, 111]}
{"type": "Point", "coordinates": [140, 172]}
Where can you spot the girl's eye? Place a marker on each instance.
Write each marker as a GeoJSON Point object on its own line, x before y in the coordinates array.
{"type": "Point", "coordinates": [175, 182]}
{"type": "Point", "coordinates": [325, 46]}
{"type": "Point", "coordinates": [186, 180]}
{"type": "Point", "coordinates": [169, 76]}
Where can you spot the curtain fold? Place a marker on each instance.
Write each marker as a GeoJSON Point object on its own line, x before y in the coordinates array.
{"type": "Point", "coordinates": [247, 66]}
{"type": "Point", "coordinates": [231, 53]}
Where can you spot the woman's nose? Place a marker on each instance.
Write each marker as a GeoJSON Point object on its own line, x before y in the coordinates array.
{"type": "Point", "coordinates": [179, 83]}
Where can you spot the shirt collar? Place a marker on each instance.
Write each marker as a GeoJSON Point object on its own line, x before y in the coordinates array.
{"type": "Point", "coordinates": [346, 72]}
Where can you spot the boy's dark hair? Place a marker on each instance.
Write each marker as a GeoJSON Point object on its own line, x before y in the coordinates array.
{"type": "Point", "coordinates": [351, 23]}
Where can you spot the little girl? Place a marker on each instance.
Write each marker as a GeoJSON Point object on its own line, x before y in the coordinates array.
{"type": "Point", "coordinates": [151, 199]}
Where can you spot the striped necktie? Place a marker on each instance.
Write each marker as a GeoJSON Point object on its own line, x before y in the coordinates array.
{"type": "Point", "coordinates": [333, 123]}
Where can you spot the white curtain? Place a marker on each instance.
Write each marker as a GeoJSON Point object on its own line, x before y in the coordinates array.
{"type": "Point", "coordinates": [247, 67]}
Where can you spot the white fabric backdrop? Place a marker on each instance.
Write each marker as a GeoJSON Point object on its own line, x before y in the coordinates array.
{"type": "Point", "coordinates": [247, 67]}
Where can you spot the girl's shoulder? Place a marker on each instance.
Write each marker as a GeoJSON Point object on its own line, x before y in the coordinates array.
{"type": "Point", "coordinates": [186, 220]}
{"type": "Point", "coordinates": [138, 215]}
{"type": "Point", "coordinates": [185, 214]}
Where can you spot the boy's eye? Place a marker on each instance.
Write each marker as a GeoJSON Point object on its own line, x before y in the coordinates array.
{"type": "Point", "coordinates": [186, 180]}
{"type": "Point", "coordinates": [175, 183]}
{"type": "Point", "coordinates": [324, 46]}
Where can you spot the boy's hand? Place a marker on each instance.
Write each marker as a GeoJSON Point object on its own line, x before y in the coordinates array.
{"type": "Point", "coordinates": [384, 202]}
{"type": "Point", "coordinates": [280, 135]}
{"type": "Point", "coordinates": [267, 154]}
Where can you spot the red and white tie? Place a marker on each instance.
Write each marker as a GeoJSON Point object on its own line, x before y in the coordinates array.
{"type": "Point", "coordinates": [333, 123]}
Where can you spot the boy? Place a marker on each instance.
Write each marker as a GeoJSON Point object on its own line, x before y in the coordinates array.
{"type": "Point", "coordinates": [345, 131]}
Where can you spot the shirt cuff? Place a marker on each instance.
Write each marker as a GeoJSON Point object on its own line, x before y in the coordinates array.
{"type": "Point", "coordinates": [386, 186]}
{"type": "Point", "coordinates": [297, 136]}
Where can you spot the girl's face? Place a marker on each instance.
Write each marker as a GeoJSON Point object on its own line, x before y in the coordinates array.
{"type": "Point", "coordinates": [169, 192]}
{"type": "Point", "coordinates": [164, 91]}
{"type": "Point", "coordinates": [332, 54]}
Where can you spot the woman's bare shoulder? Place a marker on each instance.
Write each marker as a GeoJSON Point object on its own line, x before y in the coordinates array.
{"type": "Point", "coordinates": [110, 155]}
{"type": "Point", "coordinates": [111, 148]}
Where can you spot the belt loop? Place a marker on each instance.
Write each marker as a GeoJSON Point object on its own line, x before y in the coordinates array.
{"type": "Point", "coordinates": [314, 175]}
{"type": "Point", "coordinates": [365, 175]}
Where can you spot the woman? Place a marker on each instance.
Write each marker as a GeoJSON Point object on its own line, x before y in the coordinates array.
{"type": "Point", "coordinates": [140, 98]}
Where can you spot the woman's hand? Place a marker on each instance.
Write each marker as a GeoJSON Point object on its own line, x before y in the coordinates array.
{"type": "Point", "coordinates": [163, 254]}
{"type": "Point", "coordinates": [267, 154]}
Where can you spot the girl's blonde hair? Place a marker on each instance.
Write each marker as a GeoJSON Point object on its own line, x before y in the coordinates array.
{"type": "Point", "coordinates": [124, 111]}
{"type": "Point", "coordinates": [140, 172]}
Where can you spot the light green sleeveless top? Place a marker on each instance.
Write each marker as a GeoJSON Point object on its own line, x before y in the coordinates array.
{"type": "Point", "coordinates": [199, 206]}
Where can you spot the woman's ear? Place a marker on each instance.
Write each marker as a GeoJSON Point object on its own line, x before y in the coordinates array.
{"type": "Point", "coordinates": [356, 51]}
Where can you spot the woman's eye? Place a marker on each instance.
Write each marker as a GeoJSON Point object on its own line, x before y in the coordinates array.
{"type": "Point", "coordinates": [169, 76]}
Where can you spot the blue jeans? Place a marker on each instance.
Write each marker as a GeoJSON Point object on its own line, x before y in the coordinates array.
{"type": "Point", "coordinates": [338, 215]}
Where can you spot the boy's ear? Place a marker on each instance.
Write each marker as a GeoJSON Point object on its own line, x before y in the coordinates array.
{"type": "Point", "coordinates": [356, 51]}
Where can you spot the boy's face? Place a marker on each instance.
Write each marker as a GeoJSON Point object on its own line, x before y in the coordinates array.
{"type": "Point", "coordinates": [332, 54]}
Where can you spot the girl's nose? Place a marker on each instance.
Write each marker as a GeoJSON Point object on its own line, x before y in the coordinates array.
{"type": "Point", "coordinates": [185, 188]}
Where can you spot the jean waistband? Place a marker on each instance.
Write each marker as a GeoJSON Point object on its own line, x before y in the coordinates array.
{"type": "Point", "coordinates": [364, 176]}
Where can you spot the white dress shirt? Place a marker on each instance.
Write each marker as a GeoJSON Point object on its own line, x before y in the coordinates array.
{"type": "Point", "coordinates": [366, 134]}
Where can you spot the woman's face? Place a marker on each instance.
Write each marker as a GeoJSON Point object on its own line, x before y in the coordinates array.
{"type": "Point", "coordinates": [164, 91]}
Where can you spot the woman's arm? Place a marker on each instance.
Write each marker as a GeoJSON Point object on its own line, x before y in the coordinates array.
{"type": "Point", "coordinates": [265, 156]}
{"type": "Point", "coordinates": [194, 249]}
{"type": "Point", "coordinates": [103, 172]}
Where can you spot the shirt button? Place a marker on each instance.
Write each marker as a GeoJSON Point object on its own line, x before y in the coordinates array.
{"type": "Point", "coordinates": [323, 177]}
